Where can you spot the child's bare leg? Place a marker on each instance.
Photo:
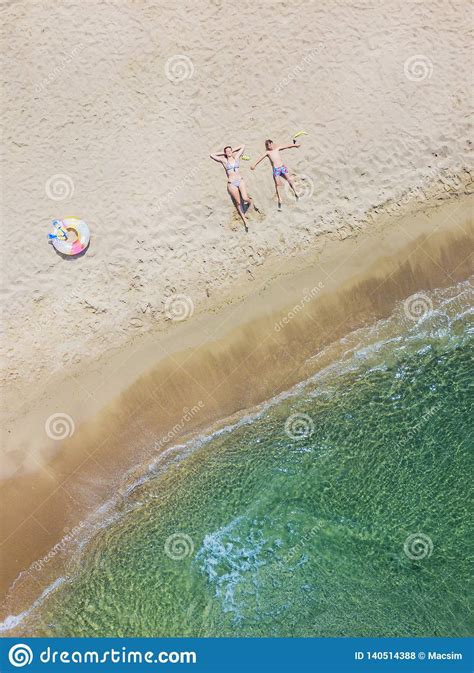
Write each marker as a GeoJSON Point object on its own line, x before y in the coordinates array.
{"type": "Point", "coordinates": [291, 183]}
{"type": "Point", "coordinates": [277, 184]}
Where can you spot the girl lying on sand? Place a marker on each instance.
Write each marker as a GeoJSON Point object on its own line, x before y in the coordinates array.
{"type": "Point", "coordinates": [230, 159]}
{"type": "Point", "coordinates": [279, 169]}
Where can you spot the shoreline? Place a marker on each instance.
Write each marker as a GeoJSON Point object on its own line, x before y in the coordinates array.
{"type": "Point", "coordinates": [17, 400]}
{"type": "Point", "coordinates": [246, 353]}
{"type": "Point", "coordinates": [362, 349]}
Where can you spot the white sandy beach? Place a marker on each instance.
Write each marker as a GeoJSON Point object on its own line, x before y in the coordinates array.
{"type": "Point", "coordinates": [110, 112]}
{"type": "Point", "coordinates": [113, 126]}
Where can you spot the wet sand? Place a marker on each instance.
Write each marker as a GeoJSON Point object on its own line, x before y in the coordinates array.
{"type": "Point", "coordinates": [131, 406]}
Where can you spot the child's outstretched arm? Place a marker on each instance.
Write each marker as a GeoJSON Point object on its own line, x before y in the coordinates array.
{"type": "Point", "coordinates": [252, 168]}
{"type": "Point", "coordinates": [289, 147]}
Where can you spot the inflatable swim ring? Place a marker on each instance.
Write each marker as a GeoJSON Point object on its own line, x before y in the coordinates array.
{"type": "Point", "coordinates": [70, 236]}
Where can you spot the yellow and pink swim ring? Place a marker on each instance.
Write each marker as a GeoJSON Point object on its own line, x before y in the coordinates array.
{"type": "Point", "coordinates": [70, 236]}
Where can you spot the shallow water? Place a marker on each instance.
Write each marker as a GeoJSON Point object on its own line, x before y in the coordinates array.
{"type": "Point", "coordinates": [339, 509]}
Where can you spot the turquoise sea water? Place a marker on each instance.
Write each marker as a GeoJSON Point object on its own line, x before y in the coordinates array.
{"type": "Point", "coordinates": [341, 508]}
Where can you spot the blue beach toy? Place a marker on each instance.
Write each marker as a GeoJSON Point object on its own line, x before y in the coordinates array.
{"type": "Point", "coordinates": [59, 232]}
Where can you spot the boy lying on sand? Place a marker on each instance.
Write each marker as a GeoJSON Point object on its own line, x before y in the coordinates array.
{"type": "Point", "coordinates": [279, 169]}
